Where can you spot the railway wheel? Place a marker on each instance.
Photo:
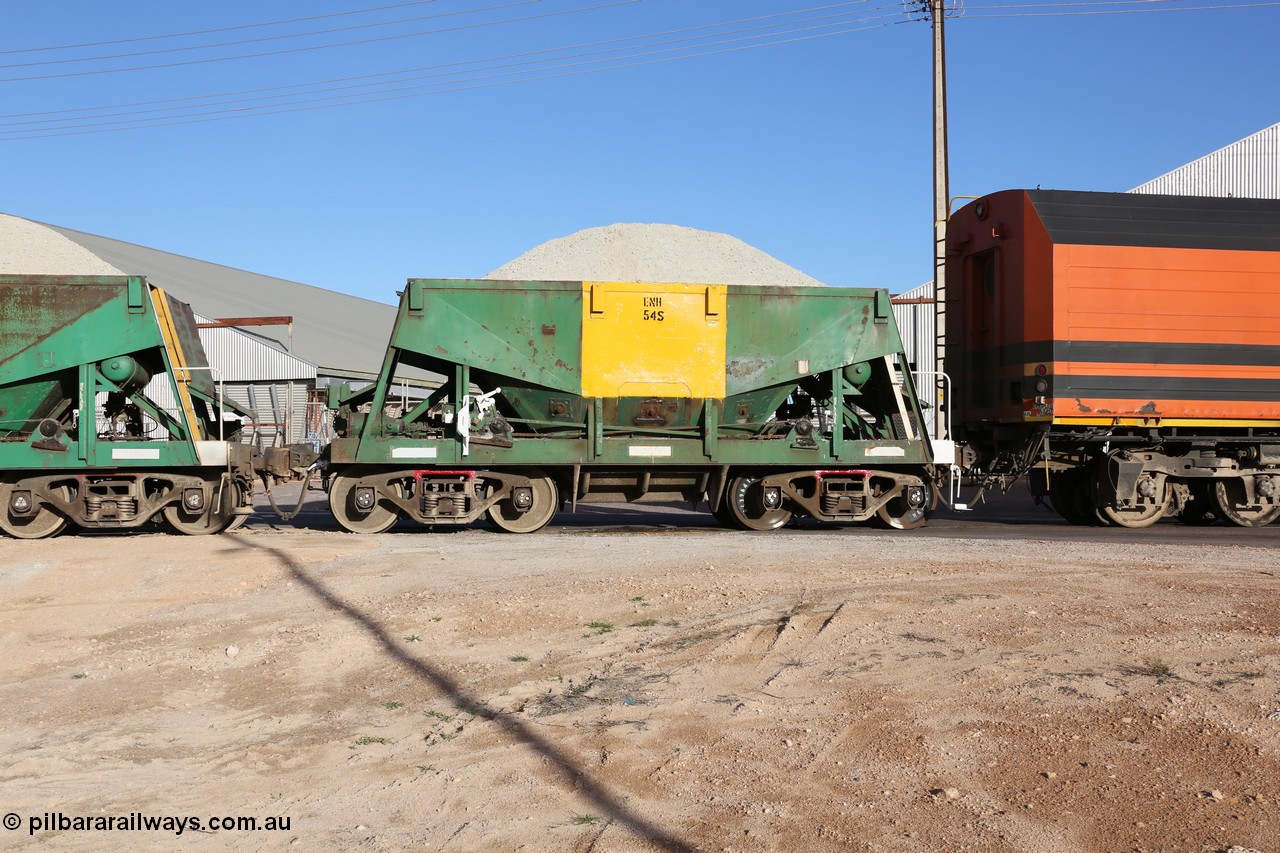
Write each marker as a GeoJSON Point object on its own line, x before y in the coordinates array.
{"type": "Point", "coordinates": [1201, 509]}
{"type": "Point", "coordinates": [1152, 487]}
{"type": "Point", "coordinates": [217, 515]}
{"type": "Point", "coordinates": [357, 509]}
{"type": "Point", "coordinates": [237, 519]}
{"type": "Point", "coordinates": [1229, 496]}
{"type": "Point", "coordinates": [1069, 493]}
{"type": "Point", "coordinates": [722, 513]}
{"type": "Point", "coordinates": [746, 506]}
{"type": "Point", "coordinates": [543, 500]}
{"type": "Point", "coordinates": [39, 522]}
{"type": "Point", "coordinates": [909, 510]}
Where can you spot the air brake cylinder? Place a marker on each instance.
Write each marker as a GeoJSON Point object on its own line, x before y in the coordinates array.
{"type": "Point", "coordinates": [857, 374]}
{"type": "Point", "coordinates": [126, 372]}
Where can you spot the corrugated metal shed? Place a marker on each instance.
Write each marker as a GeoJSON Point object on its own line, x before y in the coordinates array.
{"type": "Point", "coordinates": [243, 357]}
{"type": "Point", "coordinates": [913, 311]}
{"type": "Point", "coordinates": [256, 375]}
{"type": "Point", "coordinates": [1249, 168]}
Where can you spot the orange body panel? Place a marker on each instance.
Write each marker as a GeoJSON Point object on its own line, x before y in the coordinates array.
{"type": "Point", "coordinates": [1216, 299]}
{"type": "Point", "coordinates": [1163, 295]}
{"type": "Point", "coordinates": [1155, 330]}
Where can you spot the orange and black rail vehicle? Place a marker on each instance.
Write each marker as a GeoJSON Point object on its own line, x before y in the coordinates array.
{"type": "Point", "coordinates": [1121, 350]}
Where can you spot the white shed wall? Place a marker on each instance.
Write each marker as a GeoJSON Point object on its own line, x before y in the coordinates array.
{"type": "Point", "coordinates": [259, 377]}
{"type": "Point", "coordinates": [917, 324]}
{"type": "Point", "coordinates": [1249, 168]}
{"type": "Point", "coordinates": [242, 357]}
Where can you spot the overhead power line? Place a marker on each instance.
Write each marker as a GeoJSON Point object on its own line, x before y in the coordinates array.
{"type": "Point", "coordinates": [545, 64]}
{"type": "Point", "coordinates": [916, 9]}
{"type": "Point", "coordinates": [280, 37]}
{"type": "Point", "coordinates": [375, 40]}
{"type": "Point", "coordinates": [1141, 7]}
{"type": "Point", "coordinates": [228, 29]}
{"type": "Point", "coordinates": [758, 20]}
{"type": "Point", "coordinates": [472, 83]}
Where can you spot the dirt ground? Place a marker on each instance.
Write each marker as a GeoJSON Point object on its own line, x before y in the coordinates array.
{"type": "Point", "coordinates": [642, 688]}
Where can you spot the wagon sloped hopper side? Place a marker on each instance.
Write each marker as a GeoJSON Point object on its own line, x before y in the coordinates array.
{"type": "Point", "coordinates": [761, 403]}
{"type": "Point", "coordinates": [81, 441]}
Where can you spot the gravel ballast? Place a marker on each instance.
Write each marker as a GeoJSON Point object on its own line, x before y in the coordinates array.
{"type": "Point", "coordinates": [654, 253]}
{"type": "Point", "coordinates": [29, 248]}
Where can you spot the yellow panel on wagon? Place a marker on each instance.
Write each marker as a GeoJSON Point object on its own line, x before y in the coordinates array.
{"type": "Point", "coordinates": [653, 340]}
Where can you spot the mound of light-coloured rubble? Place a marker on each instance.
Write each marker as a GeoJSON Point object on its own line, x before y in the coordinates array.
{"type": "Point", "coordinates": [656, 253]}
{"type": "Point", "coordinates": [29, 248]}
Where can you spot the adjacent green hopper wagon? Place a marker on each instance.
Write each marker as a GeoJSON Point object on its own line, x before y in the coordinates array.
{"type": "Point", "coordinates": [763, 403]}
{"type": "Point", "coordinates": [80, 440]}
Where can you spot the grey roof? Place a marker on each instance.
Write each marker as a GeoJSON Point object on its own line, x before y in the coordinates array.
{"type": "Point", "coordinates": [342, 335]}
{"type": "Point", "coordinates": [1168, 221]}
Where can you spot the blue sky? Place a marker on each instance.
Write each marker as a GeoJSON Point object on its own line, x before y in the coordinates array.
{"type": "Point", "coordinates": [548, 116]}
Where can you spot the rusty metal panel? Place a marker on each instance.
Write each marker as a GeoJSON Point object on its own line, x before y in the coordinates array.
{"type": "Point", "coordinates": [39, 308]}
{"type": "Point", "coordinates": [777, 336]}
{"type": "Point", "coordinates": [49, 326]}
{"type": "Point", "coordinates": [528, 330]}
{"type": "Point", "coordinates": [188, 338]}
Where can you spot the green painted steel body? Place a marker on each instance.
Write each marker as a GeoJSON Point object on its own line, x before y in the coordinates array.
{"type": "Point", "coordinates": [69, 343]}
{"type": "Point", "coordinates": [814, 379]}
{"type": "Point", "coordinates": [61, 337]}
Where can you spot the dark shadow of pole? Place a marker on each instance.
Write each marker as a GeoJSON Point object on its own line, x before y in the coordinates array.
{"type": "Point", "coordinates": [516, 728]}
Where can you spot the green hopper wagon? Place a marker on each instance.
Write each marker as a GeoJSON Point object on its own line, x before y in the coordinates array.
{"type": "Point", "coordinates": [764, 402]}
{"type": "Point", "coordinates": [76, 355]}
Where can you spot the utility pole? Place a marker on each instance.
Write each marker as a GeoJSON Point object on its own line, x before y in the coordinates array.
{"type": "Point", "coordinates": [937, 12]}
